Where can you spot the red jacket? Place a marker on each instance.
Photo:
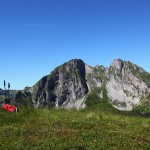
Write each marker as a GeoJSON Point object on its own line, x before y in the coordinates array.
{"type": "Point", "coordinates": [9, 108]}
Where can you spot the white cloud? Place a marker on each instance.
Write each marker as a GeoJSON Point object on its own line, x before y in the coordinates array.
{"type": "Point", "coordinates": [41, 25]}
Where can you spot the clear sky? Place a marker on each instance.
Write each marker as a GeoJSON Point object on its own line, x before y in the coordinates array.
{"type": "Point", "coordinates": [38, 35]}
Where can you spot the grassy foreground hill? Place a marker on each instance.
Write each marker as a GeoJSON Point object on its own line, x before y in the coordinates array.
{"type": "Point", "coordinates": [89, 129]}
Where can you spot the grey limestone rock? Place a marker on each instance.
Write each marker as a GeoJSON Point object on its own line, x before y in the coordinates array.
{"type": "Point", "coordinates": [63, 87]}
{"type": "Point", "coordinates": [124, 84]}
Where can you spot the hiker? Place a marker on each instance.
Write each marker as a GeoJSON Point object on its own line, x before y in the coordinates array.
{"type": "Point", "coordinates": [10, 108]}
{"type": "Point", "coordinates": [6, 101]}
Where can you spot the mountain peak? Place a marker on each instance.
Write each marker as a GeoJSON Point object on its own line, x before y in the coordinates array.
{"type": "Point", "coordinates": [124, 85]}
{"type": "Point", "coordinates": [117, 63]}
{"type": "Point", "coordinates": [75, 60]}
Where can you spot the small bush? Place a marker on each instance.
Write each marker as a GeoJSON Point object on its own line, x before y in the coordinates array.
{"type": "Point", "coordinates": [92, 100]}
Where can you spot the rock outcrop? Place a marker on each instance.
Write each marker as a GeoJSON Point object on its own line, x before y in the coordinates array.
{"type": "Point", "coordinates": [64, 87]}
{"type": "Point", "coordinates": [128, 85]}
{"type": "Point", "coordinates": [124, 84]}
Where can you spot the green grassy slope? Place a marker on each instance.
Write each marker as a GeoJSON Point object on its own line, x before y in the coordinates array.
{"type": "Point", "coordinates": [89, 129]}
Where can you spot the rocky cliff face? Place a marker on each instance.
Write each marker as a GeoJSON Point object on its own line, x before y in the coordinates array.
{"type": "Point", "coordinates": [123, 84]}
{"type": "Point", "coordinates": [128, 85]}
{"type": "Point", "coordinates": [64, 87]}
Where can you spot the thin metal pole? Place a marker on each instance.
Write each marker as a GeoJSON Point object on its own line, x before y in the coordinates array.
{"type": "Point", "coordinates": [5, 88]}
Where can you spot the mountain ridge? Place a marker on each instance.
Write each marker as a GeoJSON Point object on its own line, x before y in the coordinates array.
{"type": "Point", "coordinates": [124, 84]}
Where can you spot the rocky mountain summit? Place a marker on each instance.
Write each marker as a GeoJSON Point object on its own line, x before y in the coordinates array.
{"type": "Point", "coordinates": [124, 84]}
{"type": "Point", "coordinates": [65, 86]}
{"type": "Point", "coordinates": [128, 85]}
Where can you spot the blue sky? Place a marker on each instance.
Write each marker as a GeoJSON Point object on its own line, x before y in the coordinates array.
{"type": "Point", "coordinates": [38, 35]}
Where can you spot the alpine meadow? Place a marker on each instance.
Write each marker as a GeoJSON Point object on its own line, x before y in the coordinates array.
{"type": "Point", "coordinates": [75, 75]}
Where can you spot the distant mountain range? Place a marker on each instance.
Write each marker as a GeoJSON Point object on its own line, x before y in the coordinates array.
{"type": "Point", "coordinates": [1, 91]}
{"type": "Point", "coordinates": [124, 85]}
{"type": "Point", "coordinates": [11, 94]}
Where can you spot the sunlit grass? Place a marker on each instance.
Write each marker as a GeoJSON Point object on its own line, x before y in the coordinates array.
{"type": "Point", "coordinates": [90, 129]}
